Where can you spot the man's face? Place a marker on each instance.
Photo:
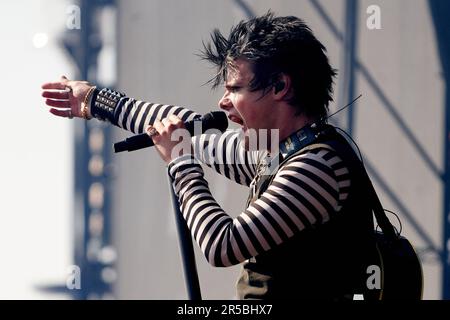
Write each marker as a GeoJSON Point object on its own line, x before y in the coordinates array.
{"type": "Point", "coordinates": [250, 109]}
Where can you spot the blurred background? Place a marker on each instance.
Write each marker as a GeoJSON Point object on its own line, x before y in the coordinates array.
{"type": "Point", "coordinates": [79, 222]}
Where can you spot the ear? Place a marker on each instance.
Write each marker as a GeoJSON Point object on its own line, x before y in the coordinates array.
{"type": "Point", "coordinates": [282, 87]}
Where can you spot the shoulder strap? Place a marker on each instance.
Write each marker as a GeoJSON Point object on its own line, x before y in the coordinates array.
{"type": "Point", "coordinates": [348, 155]}
{"type": "Point", "coordinates": [337, 143]}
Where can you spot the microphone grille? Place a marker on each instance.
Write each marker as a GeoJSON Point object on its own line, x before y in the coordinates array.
{"type": "Point", "coordinates": [215, 119]}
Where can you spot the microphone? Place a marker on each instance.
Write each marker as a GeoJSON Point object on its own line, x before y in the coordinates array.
{"type": "Point", "coordinates": [212, 120]}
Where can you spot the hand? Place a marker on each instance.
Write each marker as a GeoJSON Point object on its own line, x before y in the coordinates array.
{"type": "Point", "coordinates": [166, 136]}
{"type": "Point", "coordinates": [65, 96]}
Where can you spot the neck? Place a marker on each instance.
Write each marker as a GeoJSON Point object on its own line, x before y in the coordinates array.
{"type": "Point", "coordinates": [293, 126]}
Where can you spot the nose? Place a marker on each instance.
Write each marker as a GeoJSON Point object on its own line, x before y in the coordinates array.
{"type": "Point", "coordinates": [225, 103]}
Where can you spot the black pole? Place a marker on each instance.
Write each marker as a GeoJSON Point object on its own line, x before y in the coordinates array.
{"type": "Point", "coordinates": [439, 12]}
{"type": "Point", "coordinates": [187, 250]}
{"type": "Point", "coordinates": [350, 49]}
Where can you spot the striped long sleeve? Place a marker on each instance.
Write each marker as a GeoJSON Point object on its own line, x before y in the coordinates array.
{"type": "Point", "coordinates": [308, 190]}
{"type": "Point", "coordinates": [222, 152]}
{"type": "Point", "coordinates": [135, 115]}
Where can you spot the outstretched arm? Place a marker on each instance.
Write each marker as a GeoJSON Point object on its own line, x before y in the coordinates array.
{"type": "Point", "coordinates": [70, 98]}
{"type": "Point", "coordinates": [223, 153]}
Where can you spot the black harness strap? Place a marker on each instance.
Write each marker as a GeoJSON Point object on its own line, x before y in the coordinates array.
{"type": "Point", "coordinates": [338, 144]}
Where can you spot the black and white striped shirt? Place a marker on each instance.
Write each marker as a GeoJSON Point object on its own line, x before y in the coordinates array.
{"type": "Point", "coordinates": [307, 190]}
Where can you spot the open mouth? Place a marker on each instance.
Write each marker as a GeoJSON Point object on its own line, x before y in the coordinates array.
{"type": "Point", "coordinates": [236, 119]}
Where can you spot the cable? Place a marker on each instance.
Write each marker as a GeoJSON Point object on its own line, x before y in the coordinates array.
{"type": "Point", "coordinates": [348, 105]}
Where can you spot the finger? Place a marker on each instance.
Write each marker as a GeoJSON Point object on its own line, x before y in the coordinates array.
{"type": "Point", "coordinates": [61, 95]}
{"type": "Point", "coordinates": [175, 120]}
{"type": "Point", "coordinates": [159, 126]}
{"type": "Point", "coordinates": [166, 122]}
{"type": "Point", "coordinates": [64, 80]}
{"type": "Point", "coordinates": [54, 85]}
{"type": "Point", "coordinates": [58, 103]}
{"type": "Point", "coordinates": [151, 131]}
{"type": "Point", "coordinates": [60, 113]}
{"type": "Point", "coordinates": [169, 124]}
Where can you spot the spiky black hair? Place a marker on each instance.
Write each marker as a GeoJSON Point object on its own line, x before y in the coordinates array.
{"type": "Point", "coordinates": [275, 46]}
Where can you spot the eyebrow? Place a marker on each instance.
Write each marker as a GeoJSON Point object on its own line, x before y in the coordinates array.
{"type": "Point", "coordinates": [234, 85]}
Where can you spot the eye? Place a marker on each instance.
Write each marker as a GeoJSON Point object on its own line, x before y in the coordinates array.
{"type": "Point", "coordinates": [233, 88]}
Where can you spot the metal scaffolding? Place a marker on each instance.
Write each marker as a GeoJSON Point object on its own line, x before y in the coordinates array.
{"type": "Point", "coordinates": [440, 10]}
{"type": "Point", "coordinates": [94, 253]}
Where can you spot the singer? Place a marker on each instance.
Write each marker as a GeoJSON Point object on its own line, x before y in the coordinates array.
{"type": "Point", "coordinates": [306, 229]}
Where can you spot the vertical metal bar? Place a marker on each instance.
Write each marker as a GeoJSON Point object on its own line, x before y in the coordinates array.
{"type": "Point", "coordinates": [82, 179]}
{"type": "Point", "coordinates": [446, 180]}
{"type": "Point", "coordinates": [92, 205]}
{"type": "Point", "coordinates": [446, 213]}
{"type": "Point", "coordinates": [440, 11]}
{"type": "Point", "coordinates": [245, 8]}
{"type": "Point", "coordinates": [187, 250]}
{"type": "Point", "coordinates": [349, 61]}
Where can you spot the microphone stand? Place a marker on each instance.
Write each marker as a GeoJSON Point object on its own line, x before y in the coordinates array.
{"type": "Point", "coordinates": [187, 250]}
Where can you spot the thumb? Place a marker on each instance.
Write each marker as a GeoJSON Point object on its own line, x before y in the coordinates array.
{"type": "Point", "coordinates": [64, 79]}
